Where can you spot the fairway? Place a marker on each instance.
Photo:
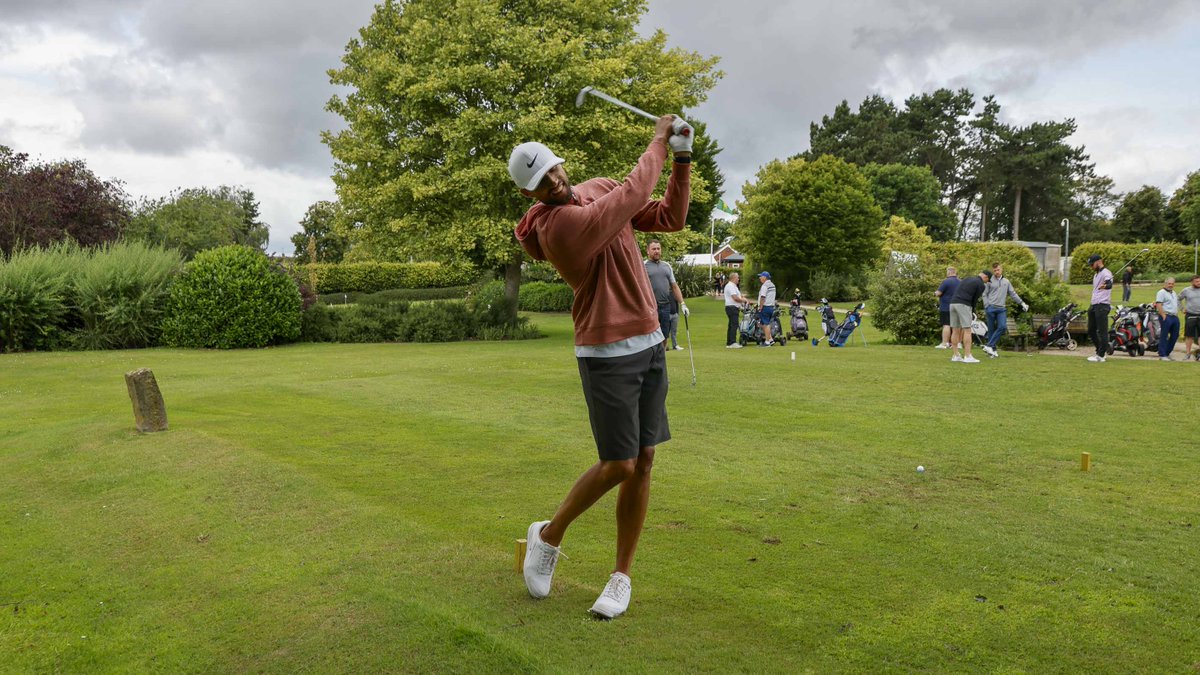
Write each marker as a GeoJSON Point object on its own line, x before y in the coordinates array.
{"type": "Point", "coordinates": [353, 508]}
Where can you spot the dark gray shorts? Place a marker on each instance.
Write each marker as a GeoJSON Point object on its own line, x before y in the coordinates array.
{"type": "Point", "coordinates": [627, 401]}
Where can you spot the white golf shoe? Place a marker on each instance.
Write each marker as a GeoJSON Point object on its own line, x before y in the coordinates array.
{"type": "Point", "coordinates": [615, 599]}
{"type": "Point", "coordinates": [956, 358]}
{"type": "Point", "coordinates": [990, 351]}
{"type": "Point", "coordinates": [1096, 359]}
{"type": "Point", "coordinates": [944, 345]}
{"type": "Point", "coordinates": [540, 560]}
{"type": "Point", "coordinates": [970, 359]}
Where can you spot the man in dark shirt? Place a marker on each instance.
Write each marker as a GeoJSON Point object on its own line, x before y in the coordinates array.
{"type": "Point", "coordinates": [962, 309]}
{"type": "Point", "coordinates": [1126, 282]}
{"type": "Point", "coordinates": [944, 293]}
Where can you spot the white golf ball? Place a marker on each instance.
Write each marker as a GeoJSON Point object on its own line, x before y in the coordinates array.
{"type": "Point", "coordinates": [920, 469]}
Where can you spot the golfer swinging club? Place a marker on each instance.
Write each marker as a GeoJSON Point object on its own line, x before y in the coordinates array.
{"type": "Point", "coordinates": [586, 232]}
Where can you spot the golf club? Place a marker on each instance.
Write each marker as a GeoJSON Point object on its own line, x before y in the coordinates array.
{"type": "Point", "coordinates": [615, 101]}
{"type": "Point", "coordinates": [1144, 252]}
{"type": "Point", "coordinates": [688, 330]}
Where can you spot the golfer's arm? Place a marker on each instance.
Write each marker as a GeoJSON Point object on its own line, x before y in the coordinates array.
{"type": "Point", "coordinates": [678, 293]}
{"type": "Point", "coordinates": [668, 214]}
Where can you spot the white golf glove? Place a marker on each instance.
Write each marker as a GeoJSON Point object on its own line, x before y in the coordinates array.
{"type": "Point", "coordinates": [1024, 306]}
{"type": "Point", "coordinates": [681, 140]}
{"type": "Point", "coordinates": [684, 310]}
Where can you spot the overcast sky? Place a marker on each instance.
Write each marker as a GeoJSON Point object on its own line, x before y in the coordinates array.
{"type": "Point", "coordinates": [164, 94]}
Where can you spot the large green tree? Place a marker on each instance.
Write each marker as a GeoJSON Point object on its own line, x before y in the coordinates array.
{"type": "Point", "coordinates": [1185, 209]}
{"type": "Point", "coordinates": [442, 90]}
{"type": "Point", "coordinates": [318, 224]}
{"type": "Point", "coordinates": [704, 165]}
{"type": "Point", "coordinates": [1142, 215]}
{"type": "Point", "coordinates": [197, 219]}
{"type": "Point", "coordinates": [913, 193]}
{"type": "Point", "coordinates": [800, 217]}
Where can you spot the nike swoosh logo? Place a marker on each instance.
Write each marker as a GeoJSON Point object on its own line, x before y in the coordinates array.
{"type": "Point", "coordinates": [530, 164]}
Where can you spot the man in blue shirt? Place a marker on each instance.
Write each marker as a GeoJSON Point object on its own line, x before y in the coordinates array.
{"type": "Point", "coordinates": [944, 293]}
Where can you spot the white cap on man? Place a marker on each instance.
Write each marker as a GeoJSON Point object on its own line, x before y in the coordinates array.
{"type": "Point", "coordinates": [529, 163]}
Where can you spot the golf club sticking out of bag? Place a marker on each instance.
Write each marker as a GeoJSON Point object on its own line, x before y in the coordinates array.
{"type": "Point", "coordinates": [592, 91]}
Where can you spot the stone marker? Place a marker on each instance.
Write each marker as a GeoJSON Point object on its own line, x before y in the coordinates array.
{"type": "Point", "coordinates": [149, 411]}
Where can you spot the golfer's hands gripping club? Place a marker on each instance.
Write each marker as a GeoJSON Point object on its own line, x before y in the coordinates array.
{"type": "Point", "coordinates": [682, 136]}
{"type": "Point", "coordinates": [664, 127]}
{"type": "Point", "coordinates": [684, 310]}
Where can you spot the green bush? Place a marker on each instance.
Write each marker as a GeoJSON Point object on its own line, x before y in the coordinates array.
{"type": "Point", "coordinates": [1020, 264]}
{"type": "Point", "coordinates": [1160, 259]}
{"type": "Point", "coordinates": [232, 297]}
{"type": "Point", "coordinates": [372, 277]}
{"type": "Point", "coordinates": [397, 294]}
{"type": "Point", "coordinates": [694, 281]}
{"type": "Point", "coordinates": [119, 295]}
{"type": "Point", "coordinates": [838, 287]}
{"type": "Point", "coordinates": [540, 270]}
{"type": "Point", "coordinates": [34, 294]}
{"type": "Point", "coordinates": [906, 307]}
{"type": "Point", "coordinates": [539, 296]}
{"type": "Point", "coordinates": [438, 322]}
{"type": "Point", "coordinates": [383, 322]}
{"type": "Point", "coordinates": [1045, 295]}
{"type": "Point", "coordinates": [318, 323]}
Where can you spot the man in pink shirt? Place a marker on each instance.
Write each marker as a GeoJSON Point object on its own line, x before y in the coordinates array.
{"type": "Point", "coordinates": [586, 232]}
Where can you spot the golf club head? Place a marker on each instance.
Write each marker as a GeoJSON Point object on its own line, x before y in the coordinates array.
{"type": "Point", "coordinates": [582, 95]}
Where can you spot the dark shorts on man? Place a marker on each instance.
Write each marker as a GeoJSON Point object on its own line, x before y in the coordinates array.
{"type": "Point", "coordinates": [1191, 326]}
{"type": "Point", "coordinates": [766, 314]}
{"type": "Point", "coordinates": [627, 401]}
{"type": "Point", "coordinates": [945, 317]}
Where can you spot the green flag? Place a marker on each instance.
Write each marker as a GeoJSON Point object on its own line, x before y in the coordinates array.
{"type": "Point", "coordinates": [722, 206]}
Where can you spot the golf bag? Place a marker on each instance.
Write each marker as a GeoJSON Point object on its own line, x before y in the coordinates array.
{"type": "Point", "coordinates": [1151, 327]}
{"type": "Point", "coordinates": [1056, 332]}
{"type": "Point", "coordinates": [843, 332]}
{"type": "Point", "coordinates": [829, 321]}
{"type": "Point", "coordinates": [799, 318]}
{"type": "Point", "coordinates": [749, 329]}
{"type": "Point", "coordinates": [1126, 332]}
{"type": "Point", "coordinates": [978, 328]}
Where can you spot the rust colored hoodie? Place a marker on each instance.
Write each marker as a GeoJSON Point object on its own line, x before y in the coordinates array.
{"type": "Point", "coordinates": [590, 242]}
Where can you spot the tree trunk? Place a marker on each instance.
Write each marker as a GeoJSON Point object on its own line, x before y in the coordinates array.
{"type": "Point", "coordinates": [983, 219]}
{"type": "Point", "coordinates": [1017, 216]}
{"type": "Point", "coordinates": [512, 282]}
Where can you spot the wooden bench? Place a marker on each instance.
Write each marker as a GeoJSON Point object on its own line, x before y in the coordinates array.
{"type": "Point", "coordinates": [1019, 335]}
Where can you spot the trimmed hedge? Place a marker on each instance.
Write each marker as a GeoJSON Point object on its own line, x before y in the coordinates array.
{"type": "Point", "coordinates": [372, 277]}
{"type": "Point", "coordinates": [1020, 265]}
{"type": "Point", "coordinates": [1165, 257]}
{"type": "Point", "coordinates": [229, 298]}
{"type": "Point", "coordinates": [541, 296]}
{"type": "Point", "coordinates": [397, 294]}
{"type": "Point", "coordinates": [483, 317]}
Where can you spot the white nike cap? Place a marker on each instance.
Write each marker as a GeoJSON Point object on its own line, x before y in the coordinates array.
{"type": "Point", "coordinates": [529, 163]}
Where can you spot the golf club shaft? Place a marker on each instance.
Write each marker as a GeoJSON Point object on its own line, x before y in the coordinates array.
{"type": "Point", "coordinates": [688, 330]}
{"type": "Point", "coordinates": [1131, 260]}
{"type": "Point", "coordinates": [618, 102]}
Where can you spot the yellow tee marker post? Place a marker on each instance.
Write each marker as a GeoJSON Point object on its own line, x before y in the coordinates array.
{"type": "Point", "coordinates": [1085, 461]}
{"type": "Point", "coordinates": [519, 557]}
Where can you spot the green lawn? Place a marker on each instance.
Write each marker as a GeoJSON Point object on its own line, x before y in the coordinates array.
{"type": "Point", "coordinates": [353, 508]}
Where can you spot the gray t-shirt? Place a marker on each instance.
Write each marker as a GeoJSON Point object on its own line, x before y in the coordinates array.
{"type": "Point", "coordinates": [661, 278]}
{"type": "Point", "coordinates": [1168, 299]}
{"type": "Point", "coordinates": [1191, 296]}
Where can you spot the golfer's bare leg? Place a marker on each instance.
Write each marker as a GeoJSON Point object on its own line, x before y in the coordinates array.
{"type": "Point", "coordinates": [947, 331]}
{"type": "Point", "coordinates": [955, 339]}
{"type": "Point", "coordinates": [766, 331]}
{"type": "Point", "coordinates": [591, 486]}
{"type": "Point", "coordinates": [632, 501]}
{"type": "Point", "coordinates": [966, 340]}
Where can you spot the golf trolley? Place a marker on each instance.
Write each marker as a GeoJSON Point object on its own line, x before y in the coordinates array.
{"type": "Point", "coordinates": [749, 329]}
{"type": "Point", "coordinates": [1130, 326]}
{"type": "Point", "coordinates": [799, 318]}
{"type": "Point", "coordinates": [829, 322]}
{"type": "Point", "coordinates": [840, 334]}
{"type": "Point", "coordinates": [1056, 333]}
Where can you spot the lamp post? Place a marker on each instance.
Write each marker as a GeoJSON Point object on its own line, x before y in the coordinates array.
{"type": "Point", "coordinates": [712, 232]}
{"type": "Point", "coordinates": [1066, 222]}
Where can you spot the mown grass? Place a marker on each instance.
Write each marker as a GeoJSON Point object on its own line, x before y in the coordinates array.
{"type": "Point", "coordinates": [353, 508]}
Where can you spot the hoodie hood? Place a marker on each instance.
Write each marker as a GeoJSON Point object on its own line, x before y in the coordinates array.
{"type": "Point", "coordinates": [527, 230]}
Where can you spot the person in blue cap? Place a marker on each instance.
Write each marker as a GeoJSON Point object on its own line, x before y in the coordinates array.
{"type": "Point", "coordinates": [766, 306]}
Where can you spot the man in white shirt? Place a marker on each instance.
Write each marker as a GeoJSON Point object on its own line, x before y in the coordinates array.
{"type": "Point", "coordinates": [766, 306]}
{"type": "Point", "coordinates": [1166, 303]}
{"type": "Point", "coordinates": [733, 300]}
